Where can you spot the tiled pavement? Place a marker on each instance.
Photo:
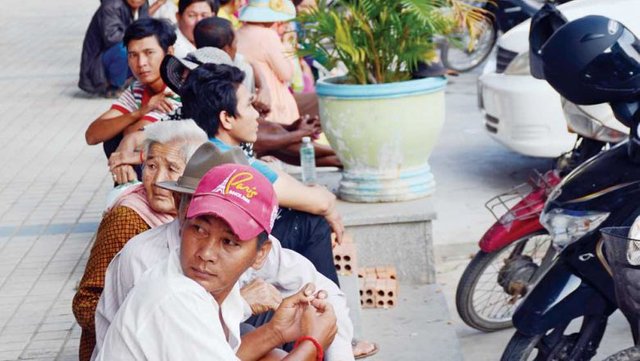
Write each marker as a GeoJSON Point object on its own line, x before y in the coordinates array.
{"type": "Point", "coordinates": [52, 184]}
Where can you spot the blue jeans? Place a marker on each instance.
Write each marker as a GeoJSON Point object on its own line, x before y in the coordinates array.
{"type": "Point", "coordinates": [116, 66]}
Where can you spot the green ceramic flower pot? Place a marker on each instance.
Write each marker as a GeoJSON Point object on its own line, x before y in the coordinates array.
{"type": "Point", "coordinates": [383, 135]}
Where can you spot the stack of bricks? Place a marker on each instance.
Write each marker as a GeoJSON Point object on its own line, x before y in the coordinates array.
{"type": "Point", "coordinates": [378, 287]}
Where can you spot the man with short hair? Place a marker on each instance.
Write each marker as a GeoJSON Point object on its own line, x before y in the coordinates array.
{"type": "Point", "coordinates": [193, 295]}
{"type": "Point", "coordinates": [103, 67]}
{"type": "Point", "coordinates": [190, 12]}
{"type": "Point", "coordinates": [147, 100]}
{"type": "Point", "coordinates": [212, 95]}
{"type": "Point", "coordinates": [274, 139]}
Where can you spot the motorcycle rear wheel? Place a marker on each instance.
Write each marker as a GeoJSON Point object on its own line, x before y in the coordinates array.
{"type": "Point", "coordinates": [464, 57]}
{"type": "Point", "coordinates": [481, 302]}
{"type": "Point", "coordinates": [629, 354]}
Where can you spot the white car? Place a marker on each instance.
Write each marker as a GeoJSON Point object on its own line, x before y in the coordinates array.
{"type": "Point", "coordinates": [525, 113]}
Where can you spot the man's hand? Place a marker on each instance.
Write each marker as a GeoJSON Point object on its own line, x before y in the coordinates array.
{"type": "Point", "coordinates": [286, 322]}
{"type": "Point", "coordinates": [335, 222]}
{"type": "Point", "coordinates": [308, 125]}
{"type": "Point", "coordinates": [158, 102]}
{"type": "Point", "coordinates": [124, 174]}
{"type": "Point", "coordinates": [333, 217]}
{"type": "Point", "coordinates": [319, 322]}
{"type": "Point", "coordinates": [261, 296]}
{"type": "Point", "coordinates": [262, 101]}
{"type": "Point", "coordinates": [122, 158]}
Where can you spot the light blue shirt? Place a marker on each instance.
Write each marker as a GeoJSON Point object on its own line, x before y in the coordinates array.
{"type": "Point", "coordinates": [260, 166]}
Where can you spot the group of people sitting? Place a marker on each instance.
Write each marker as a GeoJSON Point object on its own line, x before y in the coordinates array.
{"type": "Point", "coordinates": [260, 48]}
{"type": "Point", "coordinates": [215, 254]}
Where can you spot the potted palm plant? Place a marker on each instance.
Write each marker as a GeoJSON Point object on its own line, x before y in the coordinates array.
{"type": "Point", "coordinates": [382, 123]}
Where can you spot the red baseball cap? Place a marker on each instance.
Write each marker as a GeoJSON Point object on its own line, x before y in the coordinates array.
{"type": "Point", "coordinates": [238, 194]}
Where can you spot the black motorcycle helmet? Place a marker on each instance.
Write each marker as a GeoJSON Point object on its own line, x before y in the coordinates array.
{"type": "Point", "coordinates": [593, 60]}
{"type": "Point", "coordinates": [544, 23]}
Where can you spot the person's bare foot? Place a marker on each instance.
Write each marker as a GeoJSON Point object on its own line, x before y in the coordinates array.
{"type": "Point", "coordinates": [362, 348]}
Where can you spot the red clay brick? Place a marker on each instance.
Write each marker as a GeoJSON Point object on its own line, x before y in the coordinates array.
{"type": "Point", "coordinates": [345, 259]}
{"type": "Point", "coordinates": [386, 293]}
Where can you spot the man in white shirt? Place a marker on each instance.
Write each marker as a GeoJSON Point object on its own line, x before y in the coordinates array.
{"type": "Point", "coordinates": [285, 269]}
{"type": "Point", "coordinates": [188, 15]}
{"type": "Point", "coordinates": [189, 307]}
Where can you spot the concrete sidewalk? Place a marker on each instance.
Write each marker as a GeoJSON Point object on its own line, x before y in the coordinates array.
{"type": "Point", "coordinates": [51, 183]}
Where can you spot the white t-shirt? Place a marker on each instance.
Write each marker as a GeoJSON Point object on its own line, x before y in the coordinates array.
{"type": "Point", "coordinates": [167, 11]}
{"type": "Point", "coordinates": [169, 316]}
{"type": "Point", "coordinates": [285, 269]}
{"type": "Point", "coordinates": [182, 46]}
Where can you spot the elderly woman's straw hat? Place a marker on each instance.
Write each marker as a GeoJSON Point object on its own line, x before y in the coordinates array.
{"type": "Point", "coordinates": [268, 11]}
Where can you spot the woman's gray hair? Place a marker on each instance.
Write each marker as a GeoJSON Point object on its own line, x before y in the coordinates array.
{"type": "Point", "coordinates": [185, 132]}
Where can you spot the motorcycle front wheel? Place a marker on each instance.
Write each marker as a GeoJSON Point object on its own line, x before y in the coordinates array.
{"type": "Point", "coordinates": [493, 283]}
{"type": "Point", "coordinates": [468, 52]}
{"type": "Point", "coordinates": [555, 345]}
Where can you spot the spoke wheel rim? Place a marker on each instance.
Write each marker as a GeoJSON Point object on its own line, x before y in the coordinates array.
{"type": "Point", "coordinates": [462, 57]}
{"type": "Point", "coordinates": [489, 301]}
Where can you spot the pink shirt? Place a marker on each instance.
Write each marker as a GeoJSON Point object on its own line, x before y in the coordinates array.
{"type": "Point", "coordinates": [262, 47]}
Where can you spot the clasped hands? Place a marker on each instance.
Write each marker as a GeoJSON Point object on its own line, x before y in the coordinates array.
{"type": "Point", "coordinates": [306, 313]}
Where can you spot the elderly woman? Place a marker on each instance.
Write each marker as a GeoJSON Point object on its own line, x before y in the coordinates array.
{"type": "Point", "coordinates": [167, 147]}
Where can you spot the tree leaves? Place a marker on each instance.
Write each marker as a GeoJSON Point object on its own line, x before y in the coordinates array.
{"type": "Point", "coordinates": [379, 41]}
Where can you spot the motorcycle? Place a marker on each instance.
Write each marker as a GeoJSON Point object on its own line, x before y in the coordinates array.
{"type": "Point", "coordinates": [602, 192]}
{"type": "Point", "coordinates": [578, 287]}
{"type": "Point", "coordinates": [515, 250]}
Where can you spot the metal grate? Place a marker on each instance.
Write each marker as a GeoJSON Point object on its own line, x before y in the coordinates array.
{"type": "Point", "coordinates": [520, 202]}
{"type": "Point", "coordinates": [504, 57]}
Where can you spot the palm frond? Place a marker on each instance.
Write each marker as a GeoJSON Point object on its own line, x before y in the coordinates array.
{"type": "Point", "coordinates": [379, 41]}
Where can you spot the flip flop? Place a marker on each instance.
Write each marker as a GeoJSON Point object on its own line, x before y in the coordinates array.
{"type": "Point", "coordinates": [374, 351]}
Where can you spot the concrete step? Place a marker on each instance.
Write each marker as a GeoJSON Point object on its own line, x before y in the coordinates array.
{"type": "Point", "coordinates": [395, 233]}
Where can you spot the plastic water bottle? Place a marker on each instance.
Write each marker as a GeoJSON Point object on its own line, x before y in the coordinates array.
{"type": "Point", "coordinates": [307, 161]}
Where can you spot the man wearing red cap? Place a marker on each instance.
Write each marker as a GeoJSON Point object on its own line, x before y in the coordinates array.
{"type": "Point", "coordinates": [189, 307]}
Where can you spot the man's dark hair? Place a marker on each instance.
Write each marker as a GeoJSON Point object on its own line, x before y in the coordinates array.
{"type": "Point", "coordinates": [208, 90]}
{"type": "Point", "coordinates": [184, 4]}
{"type": "Point", "coordinates": [162, 29]}
{"type": "Point", "coordinates": [224, 2]}
{"type": "Point", "coordinates": [216, 32]}
{"type": "Point", "coordinates": [262, 239]}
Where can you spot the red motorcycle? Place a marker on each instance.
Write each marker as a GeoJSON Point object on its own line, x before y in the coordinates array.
{"type": "Point", "coordinates": [513, 254]}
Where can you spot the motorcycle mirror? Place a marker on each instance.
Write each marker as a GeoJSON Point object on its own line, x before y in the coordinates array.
{"type": "Point", "coordinates": [544, 23]}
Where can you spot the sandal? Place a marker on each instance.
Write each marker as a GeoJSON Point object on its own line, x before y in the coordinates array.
{"type": "Point", "coordinates": [356, 343]}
